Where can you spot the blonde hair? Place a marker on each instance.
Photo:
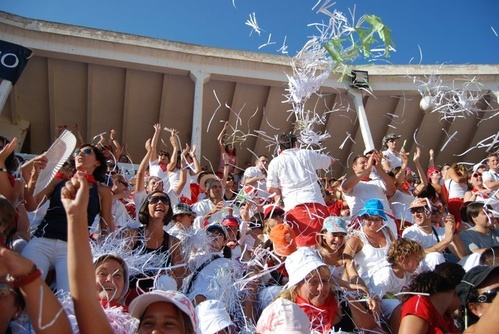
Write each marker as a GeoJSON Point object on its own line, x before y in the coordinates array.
{"type": "Point", "coordinates": [403, 247]}
{"type": "Point", "coordinates": [292, 292]}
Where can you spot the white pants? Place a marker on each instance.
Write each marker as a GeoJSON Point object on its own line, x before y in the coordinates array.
{"type": "Point", "coordinates": [50, 254]}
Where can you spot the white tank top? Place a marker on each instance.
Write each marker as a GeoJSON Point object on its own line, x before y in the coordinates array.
{"type": "Point", "coordinates": [455, 189]}
{"type": "Point", "coordinates": [369, 256]}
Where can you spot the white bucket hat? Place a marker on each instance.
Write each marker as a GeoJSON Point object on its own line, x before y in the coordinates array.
{"type": "Point", "coordinates": [283, 316]}
{"type": "Point", "coordinates": [301, 263]}
{"type": "Point", "coordinates": [212, 316]}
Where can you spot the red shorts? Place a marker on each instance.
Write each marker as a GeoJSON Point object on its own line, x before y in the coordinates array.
{"type": "Point", "coordinates": [306, 221]}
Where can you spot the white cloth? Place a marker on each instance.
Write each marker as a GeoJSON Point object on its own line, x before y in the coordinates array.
{"type": "Point", "coordinates": [201, 208]}
{"type": "Point", "coordinates": [365, 190]}
{"type": "Point", "coordinates": [120, 214]}
{"type": "Point", "coordinates": [455, 189]}
{"type": "Point", "coordinates": [369, 257]}
{"type": "Point", "coordinates": [261, 185]}
{"type": "Point", "coordinates": [393, 159]}
{"type": "Point", "coordinates": [385, 281]}
{"type": "Point", "coordinates": [207, 282]}
{"type": "Point", "coordinates": [427, 240]}
{"type": "Point", "coordinates": [155, 170]}
{"type": "Point", "coordinates": [294, 173]}
{"type": "Point", "coordinates": [490, 176]}
{"type": "Point", "coordinates": [400, 203]}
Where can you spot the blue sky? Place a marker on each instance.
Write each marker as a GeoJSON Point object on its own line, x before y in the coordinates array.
{"type": "Point", "coordinates": [448, 32]}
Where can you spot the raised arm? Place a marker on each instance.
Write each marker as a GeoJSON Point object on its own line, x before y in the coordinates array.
{"type": "Point", "coordinates": [389, 184]}
{"type": "Point", "coordinates": [196, 167]}
{"type": "Point", "coordinates": [6, 187]}
{"type": "Point", "coordinates": [118, 149]}
{"type": "Point", "coordinates": [176, 148]}
{"type": "Point", "coordinates": [154, 142]}
{"type": "Point", "coordinates": [77, 133]}
{"type": "Point", "coordinates": [89, 313]}
{"type": "Point", "coordinates": [183, 171]}
{"type": "Point", "coordinates": [419, 168]}
{"type": "Point", "coordinates": [220, 137]}
{"type": "Point", "coordinates": [141, 172]}
{"type": "Point", "coordinates": [45, 312]}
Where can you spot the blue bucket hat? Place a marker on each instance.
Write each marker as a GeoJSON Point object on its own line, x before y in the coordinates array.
{"type": "Point", "coordinates": [373, 207]}
{"type": "Point", "coordinates": [334, 224]}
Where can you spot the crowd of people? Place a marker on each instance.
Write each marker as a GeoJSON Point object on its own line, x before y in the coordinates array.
{"type": "Point", "coordinates": [271, 247]}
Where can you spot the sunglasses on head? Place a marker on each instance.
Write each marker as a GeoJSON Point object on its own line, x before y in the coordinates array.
{"type": "Point", "coordinates": [85, 151]}
{"type": "Point", "coordinates": [487, 297]}
{"type": "Point", "coordinates": [418, 210]}
{"type": "Point", "coordinates": [156, 199]}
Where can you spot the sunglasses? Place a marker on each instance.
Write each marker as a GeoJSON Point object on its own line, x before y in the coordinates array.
{"type": "Point", "coordinates": [85, 151]}
{"type": "Point", "coordinates": [487, 297]}
{"type": "Point", "coordinates": [476, 175]}
{"type": "Point", "coordinates": [418, 210]}
{"type": "Point", "coordinates": [5, 290]}
{"type": "Point", "coordinates": [156, 199]}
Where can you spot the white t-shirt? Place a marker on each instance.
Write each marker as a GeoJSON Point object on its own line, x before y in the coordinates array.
{"type": "Point", "coordinates": [393, 160]}
{"type": "Point", "coordinates": [426, 240]}
{"type": "Point", "coordinates": [261, 185]}
{"type": "Point", "coordinates": [384, 280]}
{"type": "Point", "coordinates": [400, 203]}
{"type": "Point", "coordinates": [489, 176]}
{"type": "Point", "coordinates": [155, 170]}
{"type": "Point", "coordinates": [294, 173]}
{"type": "Point", "coordinates": [365, 190]}
{"type": "Point", "coordinates": [201, 208]}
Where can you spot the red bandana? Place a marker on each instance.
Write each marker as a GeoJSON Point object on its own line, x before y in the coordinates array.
{"type": "Point", "coordinates": [164, 167]}
{"type": "Point", "coordinates": [321, 317]}
{"type": "Point", "coordinates": [366, 179]}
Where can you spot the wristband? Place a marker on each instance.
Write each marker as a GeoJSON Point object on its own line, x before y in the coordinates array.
{"type": "Point", "coordinates": [27, 279]}
{"type": "Point", "coordinates": [4, 170]}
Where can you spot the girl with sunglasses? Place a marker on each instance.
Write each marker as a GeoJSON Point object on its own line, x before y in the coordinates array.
{"type": "Point", "coordinates": [48, 247]}
{"type": "Point", "coordinates": [155, 213]}
{"type": "Point", "coordinates": [478, 294]}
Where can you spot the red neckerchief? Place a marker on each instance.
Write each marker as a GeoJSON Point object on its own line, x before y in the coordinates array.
{"type": "Point", "coordinates": [109, 304]}
{"type": "Point", "coordinates": [321, 317]}
{"type": "Point", "coordinates": [61, 176]}
{"type": "Point", "coordinates": [475, 190]}
{"type": "Point", "coordinates": [163, 166]}
{"type": "Point", "coordinates": [365, 179]}
{"type": "Point", "coordinates": [90, 178]}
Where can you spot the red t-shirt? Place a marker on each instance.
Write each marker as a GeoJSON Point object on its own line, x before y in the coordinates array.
{"type": "Point", "coordinates": [422, 307]}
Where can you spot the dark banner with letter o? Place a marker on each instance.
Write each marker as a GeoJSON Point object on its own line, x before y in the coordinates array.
{"type": "Point", "coordinates": [13, 59]}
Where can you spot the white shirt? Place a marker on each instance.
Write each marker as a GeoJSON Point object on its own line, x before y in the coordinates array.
{"type": "Point", "coordinates": [201, 208]}
{"type": "Point", "coordinates": [393, 159]}
{"type": "Point", "coordinates": [489, 176]}
{"type": "Point", "coordinates": [294, 173]}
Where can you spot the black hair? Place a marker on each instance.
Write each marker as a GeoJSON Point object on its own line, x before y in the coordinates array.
{"type": "Point", "coordinates": [453, 273]}
{"type": "Point", "coordinates": [429, 282]}
{"type": "Point", "coordinates": [473, 210]}
{"type": "Point", "coordinates": [11, 162]}
{"type": "Point", "coordinates": [101, 170]}
{"type": "Point", "coordinates": [354, 161]}
{"type": "Point", "coordinates": [489, 257]}
{"type": "Point", "coordinates": [230, 146]}
{"type": "Point", "coordinates": [144, 210]}
{"type": "Point", "coordinates": [287, 141]}
{"type": "Point", "coordinates": [9, 215]}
